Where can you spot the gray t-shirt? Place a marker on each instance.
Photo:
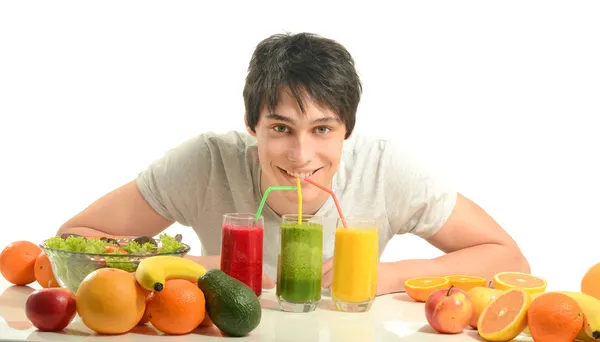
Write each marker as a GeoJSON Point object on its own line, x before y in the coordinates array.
{"type": "Point", "coordinates": [213, 174]}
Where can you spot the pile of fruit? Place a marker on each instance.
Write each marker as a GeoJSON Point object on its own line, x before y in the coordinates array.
{"type": "Point", "coordinates": [174, 294]}
{"type": "Point", "coordinates": [511, 304]}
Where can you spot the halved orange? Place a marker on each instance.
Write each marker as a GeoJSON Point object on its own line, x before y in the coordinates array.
{"type": "Point", "coordinates": [505, 317]}
{"type": "Point", "coordinates": [420, 289]}
{"type": "Point", "coordinates": [466, 282]}
{"type": "Point", "coordinates": [510, 280]}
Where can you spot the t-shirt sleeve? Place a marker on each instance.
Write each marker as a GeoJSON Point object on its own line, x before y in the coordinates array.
{"type": "Point", "coordinates": [417, 201]}
{"type": "Point", "coordinates": [174, 185]}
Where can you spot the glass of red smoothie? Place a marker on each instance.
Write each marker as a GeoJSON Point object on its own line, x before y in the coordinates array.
{"type": "Point", "coordinates": [242, 249]}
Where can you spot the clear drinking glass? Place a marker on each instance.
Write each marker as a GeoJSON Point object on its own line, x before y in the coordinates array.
{"type": "Point", "coordinates": [242, 249]}
{"type": "Point", "coordinates": [300, 263]}
{"type": "Point", "coordinates": [355, 263]}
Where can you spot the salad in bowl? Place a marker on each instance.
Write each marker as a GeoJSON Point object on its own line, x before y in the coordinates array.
{"type": "Point", "coordinates": [73, 256]}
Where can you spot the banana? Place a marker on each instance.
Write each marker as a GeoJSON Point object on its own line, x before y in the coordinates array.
{"type": "Point", "coordinates": [153, 272]}
{"type": "Point", "coordinates": [590, 306]}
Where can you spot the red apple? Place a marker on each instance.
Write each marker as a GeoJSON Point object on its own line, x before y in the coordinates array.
{"type": "Point", "coordinates": [51, 309]}
{"type": "Point", "coordinates": [448, 311]}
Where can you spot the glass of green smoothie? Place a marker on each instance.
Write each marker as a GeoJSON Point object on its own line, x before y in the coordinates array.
{"type": "Point", "coordinates": [300, 263]}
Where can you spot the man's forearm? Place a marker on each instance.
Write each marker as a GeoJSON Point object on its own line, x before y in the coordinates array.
{"type": "Point", "coordinates": [83, 231]}
{"type": "Point", "coordinates": [483, 261]}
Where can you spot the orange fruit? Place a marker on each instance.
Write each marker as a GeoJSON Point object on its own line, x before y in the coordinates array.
{"type": "Point", "coordinates": [17, 262]}
{"type": "Point", "coordinates": [529, 283]}
{"type": "Point", "coordinates": [554, 317]}
{"type": "Point", "coordinates": [110, 301]}
{"type": "Point", "coordinates": [178, 309]}
{"type": "Point", "coordinates": [43, 272]}
{"type": "Point", "coordinates": [420, 289]}
{"type": "Point", "coordinates": [505, 317]}
{"type": "Point", "coordinates": [466, 282]}
{"type": "Point", "coordinates": [590, 283]}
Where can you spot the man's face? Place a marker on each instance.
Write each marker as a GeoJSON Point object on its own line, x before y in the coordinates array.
{"type": "Point", "coordinates": [294, 144]}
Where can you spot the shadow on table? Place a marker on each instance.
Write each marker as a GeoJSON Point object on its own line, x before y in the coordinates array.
{"type": "Point", "coordinates": [269, 304]}
{"type": "Point", "coordinates": [148, 330]}
{"type": "Point", "coordinates": [38, 335]}
{"type": "Point", "coordinates": [468, 332]}
{"type": "Point", "coordinates": [12, 307]}
{"type": "Point", "coordinates": [403, 297]}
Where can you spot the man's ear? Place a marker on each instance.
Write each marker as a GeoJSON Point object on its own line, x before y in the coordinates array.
{"type": "Point", "coordinates": [248, 129]}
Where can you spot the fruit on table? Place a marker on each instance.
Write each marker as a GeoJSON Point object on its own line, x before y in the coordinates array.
{"type": "Point", "coordinates": [43, 272]}
{"type": "Point", "coordinates": [153, 272]}
{"type": "Point", "coordinates": [17, 262]}
{"type": "Point", "coordinates": [420, 289]}
{"type": "Point", "coordinates": [590, 282]}
{"type": "Point", "coordinates": [448, 311]}
{"type": "Point", "coordinates": [178, 309]}
{"type": "Point", "coordinates": [232, 306]}
{"type": "Point", "coordinates": [466, 282]}
{"type": "Point", "coordinates": [51, 309]}
{"type": "Point", "coordinates": [480, 297]}
{"type": "Point", "coordinates": [529, 283]}
{"type": "Point", "coordinates": [590, 306]}
{"type": "Point", "coordinates": [505, 317]}
{"type": "Point", "coordinates": [110, 301]}
{"type": "Point", "coordinates": [554, 317]}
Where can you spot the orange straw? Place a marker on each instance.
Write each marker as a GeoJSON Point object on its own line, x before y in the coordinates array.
{"type": "Point", "coordinates": [337, 204]}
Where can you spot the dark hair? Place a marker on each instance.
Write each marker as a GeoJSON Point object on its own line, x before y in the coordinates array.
{"type": "Point", "coordinates": [307, 64]}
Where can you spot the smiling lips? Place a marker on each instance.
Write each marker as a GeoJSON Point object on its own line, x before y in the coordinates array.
{"type": "Point", "coordinates": [301, 175]}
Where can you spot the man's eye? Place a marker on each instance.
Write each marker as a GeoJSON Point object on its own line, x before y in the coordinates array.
{"type": "Point", "coordinates": [323, 130]}
{"type": "Point", "coordinates": [280, 129]}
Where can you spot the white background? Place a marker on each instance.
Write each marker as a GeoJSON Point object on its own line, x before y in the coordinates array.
{"type": "Point", "coordinates": [501, 98]}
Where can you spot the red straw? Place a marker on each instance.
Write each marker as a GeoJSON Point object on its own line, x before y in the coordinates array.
{"type": "Point", "coordinates": [334, 200]}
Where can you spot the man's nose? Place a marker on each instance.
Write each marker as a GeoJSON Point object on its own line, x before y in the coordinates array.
{"type": "Point", "coordinates": [300, 151]}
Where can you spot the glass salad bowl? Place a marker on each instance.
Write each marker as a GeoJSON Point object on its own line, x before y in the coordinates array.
{"type": "Point", "coordinates": [73, 257]}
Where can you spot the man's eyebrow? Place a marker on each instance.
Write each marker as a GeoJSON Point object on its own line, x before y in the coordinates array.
{"type": "Point", "coordinates": [275, 116]}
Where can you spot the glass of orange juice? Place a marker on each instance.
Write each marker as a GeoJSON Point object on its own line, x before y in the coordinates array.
{"type": "Point", "coordinates": [355, 263]}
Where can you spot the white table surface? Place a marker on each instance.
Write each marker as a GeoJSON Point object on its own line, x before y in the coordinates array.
{"type": "Point", "coordinates": [393, 317]}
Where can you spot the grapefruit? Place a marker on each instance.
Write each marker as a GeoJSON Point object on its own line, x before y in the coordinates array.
{"type": "Point", "coordinates": [505, 317]}
{"type": "Point", "coordinates": [110, 301]}
{"type": "Point", "coordinates": [590, 283]}
{"type": "Point", "coordinates": [510, 280]}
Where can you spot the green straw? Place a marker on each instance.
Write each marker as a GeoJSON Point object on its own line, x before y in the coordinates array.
{"type": "Point", "coordinates": [264, 198]}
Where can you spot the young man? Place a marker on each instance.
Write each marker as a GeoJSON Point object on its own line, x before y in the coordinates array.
{"type": "Point", "coordinates": [301, 97]}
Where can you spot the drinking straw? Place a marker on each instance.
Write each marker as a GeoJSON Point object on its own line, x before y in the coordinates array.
{"type": "Point", "coordinates": [299, 200]}
{"type": "Point", "coordinates": [264, 198]}
{"type": "Point", "coordinates": [337, 204]}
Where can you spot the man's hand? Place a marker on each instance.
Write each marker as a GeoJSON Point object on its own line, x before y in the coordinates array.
{"type": "Point", "coordinates": [327, 273]}
{"type": "Point", "coordinates": [386, 277]}
{"type": "Point", "coordinates": [267, 283]}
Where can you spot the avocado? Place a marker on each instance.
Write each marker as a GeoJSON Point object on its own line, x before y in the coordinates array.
{"type": "Point", "coordinates": [232, 306]}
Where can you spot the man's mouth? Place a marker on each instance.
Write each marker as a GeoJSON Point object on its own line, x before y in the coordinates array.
{"type": "Point", "coordinates": [300, 174]}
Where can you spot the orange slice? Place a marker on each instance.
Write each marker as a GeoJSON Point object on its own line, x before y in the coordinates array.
{"type": "Point", "coordinates": [529, 283]}
{"type": "Point", "coordinates": [466, 282]}
{"type": "Point", "coordinates": [505, 317]}
{"type": "Point", "coordinates": [420, 289]}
